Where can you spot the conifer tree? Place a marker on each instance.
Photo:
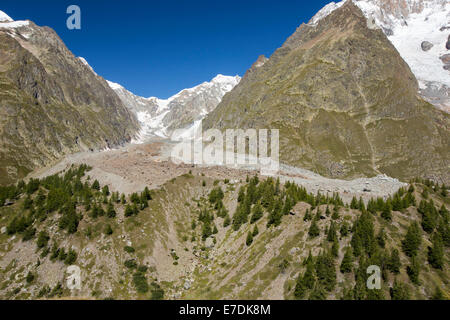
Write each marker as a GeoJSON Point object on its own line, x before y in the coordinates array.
{"type": "Point", "coordinates": [354, 203]}
{"type": "Point", "coordinates": [412, 241]}
{"type": "Point", "coordinates": [314, 230]}
{"type": "Point", "coordinates": [399, 291]}
{"type": "Point", "coordinates": [394, 262]}
{"type": "Point", "coordinates": [347, 261]}
{"type": "Point", "coordinates": [96, 185]}
{"type": "Point", "coordinates": [257, 213]}
{"type": "Point", "coordinates": [413, 270]}
{"type": "Point", "coordinates": [438, 294]}
{"type": "Point", "coordinates": [307, 215]}
{"type": "Point", "coordinates": [381, 239]}
{"type": "Point", "coordinates": [436, 252]}
{"type": "Point", "coordinates": [249, 240]}
{"type": "Point", "coordinates": [386, 214]}
{"type": "Point", "coordinates": [255, 231]}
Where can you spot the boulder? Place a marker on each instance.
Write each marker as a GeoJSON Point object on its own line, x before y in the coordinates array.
{"type": "Point", "coordinates": [445, 58]}
{"type": "Point", "coordinates": [209, 243]}
{"type": "Point", "coordinates": [426, 46]}
{"type": "Point", "coordinates": [448, 43]}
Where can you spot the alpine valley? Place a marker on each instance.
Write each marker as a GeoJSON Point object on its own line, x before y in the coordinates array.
{"type": "Point", "coordinates": [361, 97]}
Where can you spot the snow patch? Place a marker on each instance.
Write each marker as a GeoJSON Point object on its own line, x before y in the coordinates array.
{"type": "Point", "coordinates": [83, 60]}
{"type": "Point", "coordinates": [14, 24]}
{"type": "Point", "coordinates": [4, 17]}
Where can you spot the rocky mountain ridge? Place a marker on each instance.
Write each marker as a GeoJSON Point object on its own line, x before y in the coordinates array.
{"type": "Point", "coordinates": [51, 103]}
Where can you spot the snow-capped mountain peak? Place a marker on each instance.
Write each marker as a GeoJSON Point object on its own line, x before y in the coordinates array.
{"type": "Point", "coordinates": [419, 30]}
{"type": "Point", "coordinates": [184, 110]}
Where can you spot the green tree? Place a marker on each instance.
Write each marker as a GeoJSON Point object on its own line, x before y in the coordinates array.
{"type": "Point", "coordinates": [347, 261]}
{"type": "Point", "coordinates": [42, 239]}
{"type": "Point", "coordinates": [96, 185]}
{"type": "Point", "coordinates": [255, 231]}
{"type": "Point", "coordinates": [413, 270]}
{"type": "Point", "coordinates": [386, 214]}
{"type": "Point", "coordinates": [257, 213]}
{"type": "Point", "coordinates": [249, 240]}
{"type": "Point", "coordinates": [314, 230]}
{"type": "Point", "coordinates": [394, 263]}
{"type": "Point", "coordinates": [108, 230]}
{"type": "Point", "coordinates": [412, 241]}
{"type": "Point", "coordinates": [436, 252]}
{"type": "Point", "coordinates": [399, 291]}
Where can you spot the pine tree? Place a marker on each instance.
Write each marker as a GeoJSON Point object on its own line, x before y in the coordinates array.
{"type": "Point", "coordinates": [335, 215]}
{"type": "Point", "coordinates": [96, 185]}
{"type": "Point", "coordinates": [381, 239]}
{"type": "Point", "coordinates": [436, 252]}
{"type": "Point", "coordinates": [307, 215]}
{"type": "Point", "coordinates": [438, 295]}
{"type": "Point", "coordinates": [249, 240]}
{"type": "Point", "coordinates": [327, 211]}
{"type": "Point", "coordinates": [335, 248]}
{"type": "Point", "coordinates": [309, 278]}
{"type": "Point", "coordinates": [332, 235]}
{"type": "Point", "coordinates": [354, 203]}
{"type": "Point", "coordinates": [255, 231]}
{"type": "Point", "coordinates": [314, 230]}
{"type": "Point", "coordinates": [347, 261]}
{"type": "Point", "coordinates": [318, 293]}
{"type": "Point", "coordinates": [394, 262]}
{"type": "Point", "coordinates": [386, 214]}
{"type": "Point", "coordinates": [413, 270]}
{"type": "Point", "coordinates": [226, 221]}
{"type": "Point", "coordinates": [110, 212]}
{"type": "Point", "coordinates": [412, 241]}
{"type": "Point", "coordinates": [399, 291]}
{"type": "Point", "coordinates": [108, 230]}
{"type": "Point", "coordinates": [257, 213]}
{"type": "Point", "coordinates": [344, 229]}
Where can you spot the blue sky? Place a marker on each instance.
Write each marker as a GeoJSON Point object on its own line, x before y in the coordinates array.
{"type": "Point", "coordinates": [158, 47]}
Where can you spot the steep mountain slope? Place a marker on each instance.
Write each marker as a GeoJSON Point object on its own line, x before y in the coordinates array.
{"type": "Point", "coordinates": [419, 30]}
{"type": "Point", "coordinates": [201, 238]}
{"type": "Point", "coordinates": [345, 102]}
{"type": "Point", "coordinates": [183, 110]}
{"type": "Point", "coordinates": [51, 103]}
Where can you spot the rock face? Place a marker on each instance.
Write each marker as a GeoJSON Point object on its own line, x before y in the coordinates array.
{"type": "Point", "coordinates": [345, 102]}
{"type": "Point", "coordinates": [51, 103]}
{"type": "Point", "coordinates": [426, 46]}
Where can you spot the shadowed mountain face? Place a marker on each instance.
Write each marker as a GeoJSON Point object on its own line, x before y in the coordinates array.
{"type": "Point", "coordinates": [345, 102]}
{"type": "Point", "coordinates": [51, 103]}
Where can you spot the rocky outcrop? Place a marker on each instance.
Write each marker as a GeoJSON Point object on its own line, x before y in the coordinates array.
{"type": "Point", "coordinates": [51, 103]}
{"type": "Point", "coordinates": [426, 45]}
{"type": "Point", "coordinates": [345, 102]}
